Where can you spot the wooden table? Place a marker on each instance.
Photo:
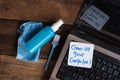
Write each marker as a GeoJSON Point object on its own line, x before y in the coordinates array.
{"type": "Point", "coordinates": [15, 12]}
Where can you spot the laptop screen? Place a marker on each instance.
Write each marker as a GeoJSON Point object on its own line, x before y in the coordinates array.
{"type": "Point", "coordinates": [111, 30]}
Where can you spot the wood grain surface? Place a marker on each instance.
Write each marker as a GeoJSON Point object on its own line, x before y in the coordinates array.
{"type": "Point", "coordinates": [12, 69]}
{"type": "Point", "coordinates": [40, 10]}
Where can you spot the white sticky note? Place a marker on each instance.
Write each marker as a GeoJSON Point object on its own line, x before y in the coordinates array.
{"type": "Point", "coordinates": [95, 17]}
{"type": "Point", "coordinates": [80, 54]}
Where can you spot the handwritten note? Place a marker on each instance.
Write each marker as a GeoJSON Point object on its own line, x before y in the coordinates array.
{"type": "Point", "coordinates": [95, 17]}
{"type": "Point", "coordinates": [80, 54]}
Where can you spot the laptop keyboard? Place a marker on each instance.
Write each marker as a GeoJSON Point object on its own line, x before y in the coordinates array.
{"type": "Point", "coordinates": [102, 69]}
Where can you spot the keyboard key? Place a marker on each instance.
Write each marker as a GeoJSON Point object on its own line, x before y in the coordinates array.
{"type": "Point", "coordinates": [117, 79]}
{"type": "Point", "coordinates": [80, 78]}
{"type": "Point", "coordinates": [110, 70]}
{"type": "Point", "coordinates": [99, 60]}
{"type": "Point", "coordinates": [68, 73]}
{"type": "Point", "coordinates": [114, 67]}
{"type": "Point", "coordinates": [60, 75]}
{"type": "Point", "coordinates": [62, 70]}
{"type": "Point", "coordinates": [92, 76]}
{"type": "Point", "coordinates": [109, 64]}
{"type": "Point", "coordinates": [86, 79]}
{"type": "Point", "coordinates": [64, 65]}
{"type": "Point", "coordinates": [116, 73]}
{"type": "Point", "coordinates": [119, 68]}
{"type": "Point", "coordinates": [72, 79]}
{"type": "Point", "coordinates": [98, 65]}
{"type": "Point", "coordinates": [66, 78]}
{"type": "Point", "coordinates": [86, 74]}
{"type": "Point", "coordinates": [75, 69]}
{"type": "Point", "coordinates": [103, 79]}
{"type": "Point", "coordinates": [104, 62]}
{"type": "Point", "coordinates": [98, 78]}
{"type": "Point", "coordinates": [110, 77]}
{"type": "Point", "coordinates": [104, 68]}
{"type": "Point", "coordinates": [75, 75]}
{"type": "Point", "coordinates": [104, 75]}
{"type": "Point", "coordinates": [99, 72]}
{"type": "Point", "coordinates": [80, 71]}
{"type": "Point", "coordinates": [93, 70]}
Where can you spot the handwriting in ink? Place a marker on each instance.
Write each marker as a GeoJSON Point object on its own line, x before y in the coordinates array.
{"type": "Point", "coordinates": [78, 54]}
{"type": "Point", "coordinates": [74, 47]}
{"type": "Point", "coordinates": [78, 61]}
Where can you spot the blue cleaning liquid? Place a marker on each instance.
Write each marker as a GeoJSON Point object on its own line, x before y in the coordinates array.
{"type": "Point", "coordinates": [40, 39]}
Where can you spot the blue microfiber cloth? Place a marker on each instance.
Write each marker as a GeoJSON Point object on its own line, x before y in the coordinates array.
{"type": "Point", "coordinates": [26, 31]}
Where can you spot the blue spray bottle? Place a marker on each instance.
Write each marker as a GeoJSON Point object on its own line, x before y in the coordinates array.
{"type": "Point", "coordinates": [42, 37]}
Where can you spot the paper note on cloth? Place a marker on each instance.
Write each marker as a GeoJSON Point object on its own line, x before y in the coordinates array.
{"type": "Point", "coordinates": [80, 54]}
{"type": "Point", "coordinates": [26, 32]}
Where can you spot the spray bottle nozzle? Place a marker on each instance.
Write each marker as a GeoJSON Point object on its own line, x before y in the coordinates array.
{"type": "Point", "coordinates": [56, 25]}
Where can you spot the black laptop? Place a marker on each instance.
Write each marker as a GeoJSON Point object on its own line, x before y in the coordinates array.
{"type": "Point", "coordinates": [106, 57]}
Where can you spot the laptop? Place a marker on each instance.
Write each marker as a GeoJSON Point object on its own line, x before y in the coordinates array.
{"type": "Point", "coordinates": [106, 57]}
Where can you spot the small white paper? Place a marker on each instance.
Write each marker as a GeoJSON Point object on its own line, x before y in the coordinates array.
{"type": "Point", "coordinates": [95, 17]}
{"type": "Point", "coordinates": [80, 54]}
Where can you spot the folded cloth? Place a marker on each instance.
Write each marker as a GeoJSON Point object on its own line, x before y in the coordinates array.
{"type": "Point", "coordinates": [26, 31]}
